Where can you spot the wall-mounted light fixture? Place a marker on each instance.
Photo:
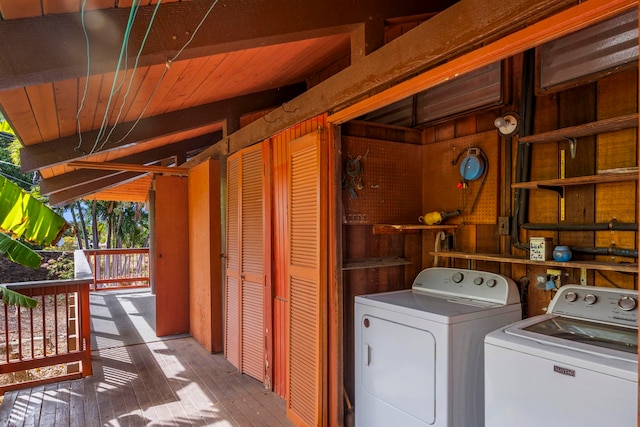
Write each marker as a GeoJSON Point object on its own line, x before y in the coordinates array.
{"type": "Point", "coordinates": [508, 124]}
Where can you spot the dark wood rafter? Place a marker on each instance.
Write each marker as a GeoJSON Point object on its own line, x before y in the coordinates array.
{"type": "Point", "coordinates": [450, 34]}
{"type": "Point", "coordinates": [81, 177]}
{"type": "Point", "coordinates": [112, 166]}
{"type": "Point", "coordinates": [64, 150]}
{"type": "Point", "coordinates": [67, 196]}
{"type": "Point", "coordinates": [32, 56]}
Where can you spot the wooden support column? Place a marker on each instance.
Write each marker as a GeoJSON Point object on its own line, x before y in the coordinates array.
{"type": "Point", "coordinates": [171, 255]}
{"type": "Point", "coordinates": [205, 264]}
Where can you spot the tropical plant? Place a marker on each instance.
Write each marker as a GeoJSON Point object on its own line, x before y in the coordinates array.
{"type": "Point", "coordinates": [22, 216]}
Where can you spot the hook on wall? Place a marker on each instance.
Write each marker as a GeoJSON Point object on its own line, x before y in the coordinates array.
{"type": "Point", "coordinates": [573, 145]}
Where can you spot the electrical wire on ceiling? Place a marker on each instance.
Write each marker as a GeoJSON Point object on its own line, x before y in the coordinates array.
{"type": "Point", "coordinates": [135, 68]}
{"type": "Point", "coordinates": [86, 81]}
{"type": "Point", "coordinates": [166, 68]}
{"type": "Point", "coordinates": [123, 52]}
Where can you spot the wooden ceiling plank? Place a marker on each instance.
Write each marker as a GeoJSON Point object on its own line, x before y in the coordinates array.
{"type": "Point", "coordinates": [57, 6]}
{"type": "Point", "coordinates": [191, 79]}
{"type": "Point", "coordinates": [42, 98]}
{"type": "Point", "coordinates": [12, 9]}
{"type": "Point", "coordinates": [167, 88]}
{"type": "Point", "coordinates": [236, 80]}
{"type": "Point", "coordinates": [78, 177]}
{"type": "Point", "coordinates": [134, 191]}
{"type": "Point", "coordinates": [202, 93]}
{"type": "Point", "coordinates": [32, 56]}
{"type": "Point", "coordinates": [66, 94]}
{"type": "Point", "coordinates": [87, 103]}
{"type": "Point", "coordinates": [17, 101]}
{"type": "Point", "coordinates": [100, 4]}
{"type": "Point", "coordinates": [105, 97]}
{"type": "Point", "coordinates": [144, 91]}
{"type": "Point", "coordinates": [66, 196]}
{"type": "Point", "coordinates": [120, 104]}
{"type": "Point", "coordinates": [64, 150]}
{"type": "Point", "coordinates": [172, 85]}
{"type": "Point", "coordinates": [200, 85]}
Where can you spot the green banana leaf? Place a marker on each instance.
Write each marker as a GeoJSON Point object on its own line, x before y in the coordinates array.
{"type": "Point", "coordinates": [18, 252]}
{"type": "Point", "coordinates": [24, 216]}
{"type": "Point", "coordinates": [10, 297]}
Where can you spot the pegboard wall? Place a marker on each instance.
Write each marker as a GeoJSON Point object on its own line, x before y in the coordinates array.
{"type": "Point", "coordinates": [382, 181]}
{"type": "Point", "coordinates": [441, 192]}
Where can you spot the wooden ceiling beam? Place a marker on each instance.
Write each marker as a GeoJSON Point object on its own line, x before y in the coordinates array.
{"type": "Point", "coordinates": [80, 177]}
{"type": "Point", "coordinates": [70, 195]}
{"type": "Point", "coordinates": [460, 29]}
{"type": "Point", "coordinates": [64, 150]}
{"type": "Point", "coordinates": [121, 167]}
{"type": "Point", "coordinates": [533, 35]}
{"type": "Point", "coordinates": [31, 55]}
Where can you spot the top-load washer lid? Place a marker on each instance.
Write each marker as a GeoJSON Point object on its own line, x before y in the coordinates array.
{"type": "Point", "coordinates": [586, 332]}
{"type": "Point", "coordinates": [595, 320]}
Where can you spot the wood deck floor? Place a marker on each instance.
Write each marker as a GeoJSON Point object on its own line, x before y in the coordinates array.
{"type": "Point", "coordinates": [140, 380]}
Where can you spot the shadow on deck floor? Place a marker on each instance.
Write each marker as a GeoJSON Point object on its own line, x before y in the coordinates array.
{"type": "Point", "coordinates": [141, 380]}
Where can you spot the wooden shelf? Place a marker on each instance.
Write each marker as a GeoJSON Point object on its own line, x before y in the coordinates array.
{"type": "Point", "coordinates": [587, 129]}
{"type": "Point", "coordinates": [410, 228]}
{"type": "Point", "coordinates": [589, 265]}
{"type": "Point", "coordinates": [358, 264]}
{"type": "Point", "coordinates": [553, 184]}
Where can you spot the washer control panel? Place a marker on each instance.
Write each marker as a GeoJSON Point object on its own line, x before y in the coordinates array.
{"type": "Point", "coordinates": [472, 284]}
{"type": "Point", "coordinates": [610, 305]}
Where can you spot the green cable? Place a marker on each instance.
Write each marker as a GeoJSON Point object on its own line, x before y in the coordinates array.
{"type": "Point", "coordinates": [125, 42]}
{"type": "Point", "coordinates": [135, 68]}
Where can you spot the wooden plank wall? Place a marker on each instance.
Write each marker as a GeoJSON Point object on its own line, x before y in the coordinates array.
{"type": "Point", "coordinates": [358, 241]}
{"type": "Point", "coordinates": [443, 143]}
{"type": "Point", "coordinates": [611, 96]}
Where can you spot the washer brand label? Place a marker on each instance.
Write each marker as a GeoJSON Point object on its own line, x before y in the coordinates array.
{"type": "Point", "coordinates": [564, 371]}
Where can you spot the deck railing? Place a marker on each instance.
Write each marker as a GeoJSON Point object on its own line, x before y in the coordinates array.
{"type": "Point", "coordinates": [51, 342]}
{"type": "Point", "coordinates": [119, 268]}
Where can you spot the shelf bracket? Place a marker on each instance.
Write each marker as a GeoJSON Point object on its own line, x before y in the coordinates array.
{"type": "Point", "coordinates": [573, 146]}
{"type": "Point", "coordinates": [558, 189]}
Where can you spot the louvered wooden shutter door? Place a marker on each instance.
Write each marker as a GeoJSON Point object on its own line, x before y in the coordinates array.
{"type": "Point", "coordinates": [306, 277]}
{"type": "Point", "coordinates": [232, 286]}
{"type": "Point", "coordinates": [252, 276]}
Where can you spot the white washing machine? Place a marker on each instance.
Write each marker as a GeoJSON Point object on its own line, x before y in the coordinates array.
{"type": "Point", "coordinates": [419, 352]}
{"type": "Point", "coordinates": [576, 365]}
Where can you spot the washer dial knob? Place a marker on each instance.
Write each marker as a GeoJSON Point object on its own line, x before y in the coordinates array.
{"type": "Point", "coordinates": [478, 281]}
{"type": "Point", "coordinates": [627, 303]}
{"type": "Point", "coordinates": [571, 296]}
{"type": "Point", "coordinates": [491, 283]}
{"type": "Point", "coordinates": [458, 277]}
{"type": "Point", "coordinates": [590, 299]}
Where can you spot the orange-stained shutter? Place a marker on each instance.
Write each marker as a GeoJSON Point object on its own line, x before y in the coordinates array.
{"type": "Point", "coordinates": [232, 288]}
{"type": "Point", "coordinates": [246, 258]}
{"type": "Point", "coordinates": [252, 275]}
{"type": "Point", "coordinates": [307, 277]}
